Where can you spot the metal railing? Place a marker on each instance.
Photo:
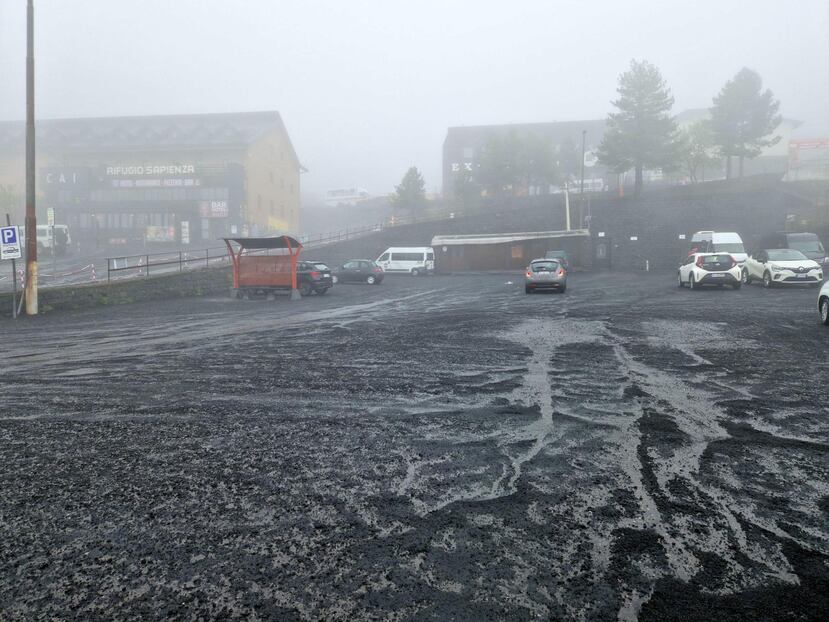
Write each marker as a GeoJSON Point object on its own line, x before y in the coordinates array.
{"type": "Point", "coordinates": [129, 266]}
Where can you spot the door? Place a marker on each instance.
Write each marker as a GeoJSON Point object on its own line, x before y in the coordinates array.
{"type": "Point", "coordinates": [384, 261]}
{"type": "Point", "coordinates": [350, 271]}
{"type": "Point", "coordinates": [601, 254]}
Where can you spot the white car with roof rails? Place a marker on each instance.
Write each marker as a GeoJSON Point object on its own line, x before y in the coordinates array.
{"type": "Point", "coordinates": [716, 269]}
{"type": "Point", "coordinates": [781, 266]}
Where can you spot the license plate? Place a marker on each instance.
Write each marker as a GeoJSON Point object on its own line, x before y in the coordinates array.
{"type": "Point", "coordinates": [326, 276]}
{"type": "Point", "coordinates": [718, 276]}
{"type": "Point", "coordinates": [801, 276]}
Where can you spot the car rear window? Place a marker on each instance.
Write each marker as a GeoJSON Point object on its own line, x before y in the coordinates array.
{"type": "Point", "coordinates": [716, 259]}
{"type": "Point", "coordinates": [732, 247]}
{"type": "Point", "coordinates": [545, 266]}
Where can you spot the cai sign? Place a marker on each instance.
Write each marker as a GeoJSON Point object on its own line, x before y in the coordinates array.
{"type": "Point", "coordinates": [65, 177]}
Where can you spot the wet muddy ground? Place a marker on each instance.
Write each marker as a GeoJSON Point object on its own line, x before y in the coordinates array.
{"type": "Point", "coordinates": [435, 448]}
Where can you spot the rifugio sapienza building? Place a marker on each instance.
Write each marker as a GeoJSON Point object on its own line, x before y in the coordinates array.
{"type": "Point", "coordinates": [159, 180]}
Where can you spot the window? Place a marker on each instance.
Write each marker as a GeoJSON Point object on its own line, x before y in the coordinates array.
{"type": "Point", "coordinates": [407, 256]}
{"type": "Point", "coordinates": [384, 257]}
{"type": "Point", "coordinates": [352, 265]}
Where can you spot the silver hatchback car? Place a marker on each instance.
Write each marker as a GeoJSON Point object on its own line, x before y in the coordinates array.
{"type": "Point", "coordinates": [545, 274]}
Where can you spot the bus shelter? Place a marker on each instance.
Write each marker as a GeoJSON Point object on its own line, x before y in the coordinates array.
{"type": "Point", "coordinates": [263, 266]}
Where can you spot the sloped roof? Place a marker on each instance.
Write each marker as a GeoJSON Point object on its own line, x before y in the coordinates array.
{"type": "Point", "coordinates": [150, 132]}
{"type": "Point", "coordinates": [504, 238]}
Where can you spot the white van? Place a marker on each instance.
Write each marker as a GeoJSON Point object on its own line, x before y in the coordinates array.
{"type": "Point", "coordinates": [411, 260]}
{"type": "Point", "coordinates": [720, 242]}
{"type": "Point", "coordinates": [49, 238]}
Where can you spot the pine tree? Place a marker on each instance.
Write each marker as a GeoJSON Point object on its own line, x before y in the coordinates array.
{"type": "Point", "coordinates": [642, 133]}
{"type": "Point", "coordinates": [743, 117]}
{"type": "Point", "coordinates": [410, 194]}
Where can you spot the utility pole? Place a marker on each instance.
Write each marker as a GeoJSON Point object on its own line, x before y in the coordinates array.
{"type": "Point", "coordinates": [581, 187]}
{"type": "Point", "coordinates": [31, 218]}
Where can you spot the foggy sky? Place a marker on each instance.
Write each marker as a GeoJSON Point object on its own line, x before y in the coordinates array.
{"type": "Point", "coordinates": [368, 88]}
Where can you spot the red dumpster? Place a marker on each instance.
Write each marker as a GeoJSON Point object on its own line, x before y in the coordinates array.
{"type": "Point", "coordinates": [262, 266]}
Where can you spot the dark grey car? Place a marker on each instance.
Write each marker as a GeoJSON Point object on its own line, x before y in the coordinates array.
{"type": "Point", "coordinates": [545, 274]}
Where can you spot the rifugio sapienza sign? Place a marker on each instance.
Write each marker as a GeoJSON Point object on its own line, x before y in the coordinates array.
{"type": "Point", "coordinates": [10, 243]}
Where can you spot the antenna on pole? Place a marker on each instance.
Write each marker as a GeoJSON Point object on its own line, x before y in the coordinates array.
{"type": "Point", "coordinates": [31, 218]}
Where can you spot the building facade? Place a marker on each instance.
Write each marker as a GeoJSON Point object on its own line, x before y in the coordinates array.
{"type": "Point", "coordinates": [183, 179]}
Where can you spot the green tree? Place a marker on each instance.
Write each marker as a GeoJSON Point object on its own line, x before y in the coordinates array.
{"type": "Point", "coordinates": [642, 133]}
{"type": "Point", "coordinates": [743, 117]}
{"type": "Point", "coordinates": [500, 164]}
{"type": "Point", "coordinates": [410, 194]}
{"type": "Point", "coordinates": [467, 190]}
{"type": "Point", "coordinates": [696, 149]}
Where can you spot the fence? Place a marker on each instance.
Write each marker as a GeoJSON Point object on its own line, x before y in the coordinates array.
{"type": "Point", "coordinates": [178, 261]}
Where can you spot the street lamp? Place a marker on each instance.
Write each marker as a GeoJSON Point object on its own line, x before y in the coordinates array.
{"type": "Point", "coordinates": [581, 186]}
{"type": "Point", "coordinates": [31, 218]}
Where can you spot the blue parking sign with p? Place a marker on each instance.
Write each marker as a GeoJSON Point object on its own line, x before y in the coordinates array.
{"type": "Point", "coordinates": [9, 243]}
{"type": "Point", "coordinates": [8, 235]}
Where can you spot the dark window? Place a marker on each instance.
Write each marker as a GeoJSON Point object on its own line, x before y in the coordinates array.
{"type": "Point", "coordinates": [407, 256]}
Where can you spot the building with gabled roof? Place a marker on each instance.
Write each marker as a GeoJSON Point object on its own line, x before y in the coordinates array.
{"type": "Point", "coordinates": [183, 179]}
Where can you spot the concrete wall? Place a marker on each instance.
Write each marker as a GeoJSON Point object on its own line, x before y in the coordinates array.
{"type": "Point", "coordinates": [213, 281]}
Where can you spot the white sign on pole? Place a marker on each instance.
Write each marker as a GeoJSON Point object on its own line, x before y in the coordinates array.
{"type": "Point", "coordinates": [185, 232]}
{"type": "Point", "coordinates": [634, 238]}
{"type": "Point", "coordinates": [10, 243]}
{"type": "Point", "coordinates": [50, 216]}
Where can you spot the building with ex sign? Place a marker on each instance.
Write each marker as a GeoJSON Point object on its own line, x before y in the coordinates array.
{"type": "Point", "coordinates": [183, 179]}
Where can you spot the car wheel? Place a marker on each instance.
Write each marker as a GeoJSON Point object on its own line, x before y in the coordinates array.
{"type": "Point", "coordinates": [745, 277]}
{"type": "Point", "coordinates": [767, 282]}
{"type": "Point", "coordinates": [305, 289]}
{"type": "Point", "coordinates": [371, 279]}
{"type": "Point", "coordinates": [692, 283]}
{"type": "Point", "coordinates": [415, 272]}
{"type": "Point", "coordinates": [679, 281]}
{"type": "Point", "coordinates": [322, 291]}
{"type": "Point", "coordinates": [824, 311]}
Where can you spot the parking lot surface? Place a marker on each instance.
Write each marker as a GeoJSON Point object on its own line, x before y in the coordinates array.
{"type": "Point", "coordinates": [434, 448]}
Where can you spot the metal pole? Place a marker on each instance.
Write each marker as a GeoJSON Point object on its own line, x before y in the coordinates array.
{"type": "Point", "coordinates": [14, 276]}
{"type": "Point", "coordinates": [581, 188]}
{"type": "Point", "coordinates": [31, 218]}
{"type": "Point", "coordinates": [179, 261]}
{"type": "Point", "coordinates": [147, 259]}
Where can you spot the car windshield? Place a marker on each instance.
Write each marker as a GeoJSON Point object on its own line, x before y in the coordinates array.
{"type": "Point", "coordinates": [545, 266]}
{"type": "Point", "coordinates": [786, 254]}
{"type": "Point", "coordinates": [733, 247]}
{"type": "Point", "coordinates": [807, 246]}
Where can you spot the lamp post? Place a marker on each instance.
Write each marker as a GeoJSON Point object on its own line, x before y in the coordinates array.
{"type": "Point", "coordinates": [581, 185]}
{"type": "Point", "coordinates": [31, 218]}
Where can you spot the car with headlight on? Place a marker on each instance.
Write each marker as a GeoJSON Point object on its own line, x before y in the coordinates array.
{"type": "Point", "coordinates": [709, 269]}
{"type": "Point", "coordinates": [781, 266]}
{"type": "Point", "coordinates": [823, 303]}
{"type": "Point", "coordinates": [547, 274]}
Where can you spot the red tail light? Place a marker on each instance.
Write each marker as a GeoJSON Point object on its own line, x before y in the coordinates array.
{"type": "Point", "coordinates": [315, 275]}
{"type": "Point", "coordinates": [378, 269]}
{"type": "Point", "coordinates": [733, 261]}
{"type": "Point", "coordinates": [529, 273]}
{"type": "Point", "coordinates": [562, 272]}
{"type": "Point", "coordinates": [700, 262]}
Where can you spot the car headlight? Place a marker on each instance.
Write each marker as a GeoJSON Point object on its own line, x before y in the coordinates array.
{"type": "Point", "coordinates": [776, 268]}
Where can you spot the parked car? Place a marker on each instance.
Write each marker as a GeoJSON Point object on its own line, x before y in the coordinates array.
{"type": "Point", "coordinates": [410, 260]}
{"type": "Point", "coordinates": [807, 243]}
{"type": "Point", "coordinates": [50, 239]}
{"type": "Point", "coordinates": [823, 303]}
{"type": "Point", "coordinates": [781, 266]}
{"type": "Point", "coordinates": [719, 242]}
{"type": "Point", "coordinates": [561, 256]}
{"type": "Point", "coordinates": [709, 269]}
{"type": "Point", "coordinates": [359, 271]}
{"type": "Point", "coordinates": [545, 274]}
{"type": "Point", "coordinates": [313, 277]}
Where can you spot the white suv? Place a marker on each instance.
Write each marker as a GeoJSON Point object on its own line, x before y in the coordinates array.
{"type": "Point", "coordinates": [781, 266]}
{"type": "Point", "coordinates": [823, 303]}
{"type": "Point", "coordinates": [709, 269]}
